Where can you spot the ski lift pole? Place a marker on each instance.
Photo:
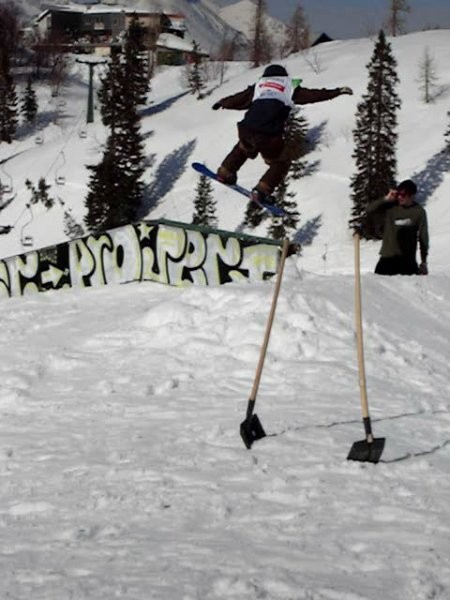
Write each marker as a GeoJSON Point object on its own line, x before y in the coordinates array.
{"type": "Point", "coordinates": [90, 104]}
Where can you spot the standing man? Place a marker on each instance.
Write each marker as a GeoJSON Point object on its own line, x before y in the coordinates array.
{"type": "Point", "coordinates": [405, 224]}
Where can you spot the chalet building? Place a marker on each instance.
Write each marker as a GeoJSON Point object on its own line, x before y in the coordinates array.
{"type": "Point", "coordinates": [94, 28]}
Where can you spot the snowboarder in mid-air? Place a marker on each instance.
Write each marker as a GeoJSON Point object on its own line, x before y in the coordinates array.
{"type": "Point", "coordinates": [261, 131]}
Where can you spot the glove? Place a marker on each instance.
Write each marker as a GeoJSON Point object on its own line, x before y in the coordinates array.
{"type": "Point", "coordinates": [423, 268]}
{"type": "Point", "coordinates": [346, 90]}
{"type": "Point", "coordinates": [216, 106]}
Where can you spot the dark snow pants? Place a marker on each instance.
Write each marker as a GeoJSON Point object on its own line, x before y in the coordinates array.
{"type": "Point", "coordinates": [397, 265]}
{"type": "Point", "coordinates": [270, 147]}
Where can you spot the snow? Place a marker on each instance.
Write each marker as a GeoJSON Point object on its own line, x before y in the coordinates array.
{"type": "Point", "coordinates": [169, 40]}
{"type": "Point", "coordinates": [123, 473]}
{"type": "Point", "coordinates": [241, 16]}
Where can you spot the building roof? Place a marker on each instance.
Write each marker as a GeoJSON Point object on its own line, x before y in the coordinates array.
{"type": "Point", "coordinates": [173, 42]}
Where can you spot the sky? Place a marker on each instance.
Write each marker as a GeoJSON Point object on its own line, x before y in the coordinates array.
{"type": "Point", "coordinates": [359, 18]}
{"type": "Point", "coordinates": [122, 471]}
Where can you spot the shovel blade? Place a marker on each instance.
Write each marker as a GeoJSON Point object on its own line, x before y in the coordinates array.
{"type": "Point", "coordinates": [251, 430]}
{"type": "Point", "coordinates": [365, 451]}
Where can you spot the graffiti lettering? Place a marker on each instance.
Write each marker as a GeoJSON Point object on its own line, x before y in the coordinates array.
{"type": "Point", "coordinates": [163, 252]}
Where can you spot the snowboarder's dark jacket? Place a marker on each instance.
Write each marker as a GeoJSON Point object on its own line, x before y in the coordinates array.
{"type": "Point", "coordinates": [403, 226]}
{"type": "Point", "coordinates": [269, 116]}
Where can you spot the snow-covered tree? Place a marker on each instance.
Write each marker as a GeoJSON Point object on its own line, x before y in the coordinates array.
{"type": "Point", "coordinates": [196, 73]}
{"type": "Point", "coordinates": [115, 189]}
{"type": "Point", "coordinates": [296, 140]}
{"type": "Point", "coordinates": [136, 62]}
{"type": "Point", "coordinates": [375, 133]}
{"type": "Point", "coordinates": [29, 105]}
{"type": "Point", "coordinates": [72, 228]}
{"type": "Point", "coordinates": [204, 204]}
{"type": "Point", "coordinates": [284, 227]}
{"type": "Point", "coordinates": [8, 108]}
{"type": "Point", "coordinates": [9, 36]}
{"type": "Point", "coordinates": [40, 193]}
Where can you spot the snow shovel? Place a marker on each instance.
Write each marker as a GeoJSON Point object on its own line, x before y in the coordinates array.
{"type": "Point", "coordinates": [251, 429]}
{"type": "Point", "coordinates": [370, 449]}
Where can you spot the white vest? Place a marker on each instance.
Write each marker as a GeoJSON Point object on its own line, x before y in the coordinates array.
{"type": "Point", "coordinates": [274, 88]}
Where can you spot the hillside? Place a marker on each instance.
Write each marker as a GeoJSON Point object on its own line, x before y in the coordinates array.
{"type": "Point", "coordinates": [173, 141]}
{"type": "Point", "coordinates": [123, 473]}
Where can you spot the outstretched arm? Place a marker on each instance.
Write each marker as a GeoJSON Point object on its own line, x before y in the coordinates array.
{"type": "Point", "coordinates": [239, 101]}
{"type": "Point", "coordinates": [308, 96]}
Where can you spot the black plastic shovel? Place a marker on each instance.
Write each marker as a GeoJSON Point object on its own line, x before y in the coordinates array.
{"type": "Point", "coordinates": [251, 429]}
{"type": "Point", "coordinates": [370, 449]}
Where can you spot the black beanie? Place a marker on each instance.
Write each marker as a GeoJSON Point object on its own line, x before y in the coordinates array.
{"type": "Point", "coordinates": [275, 71]}
{"type": "Point", "coordinates": [407, 186]}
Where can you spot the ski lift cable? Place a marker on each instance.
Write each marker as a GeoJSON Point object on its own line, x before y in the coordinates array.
{"type": "Point", "coordinates": [67, 140]}
{"type": "Point", "coordinates": [26, 240]}
{"type": "Point", "coordinates": [26, 207]}
{"type": "Point", "coordinates": [6, 189]}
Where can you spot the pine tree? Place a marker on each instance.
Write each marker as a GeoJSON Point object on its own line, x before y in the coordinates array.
{"type": "Point", "coordinates": [204, 204]}
{"type": "Point", "coordinates": [261, 47]}
{"type": "Point", "coordinates": [110, 94]}
{"type": "Point", "coordinates": [298, 32]}
{"type": "Point", "coordinates": [136, 62]}
{"type": "Point", "coordinates": [375, 134]}
{"type": "Point", "coordinates": [8, 108]}
{"type": "Point", "coordinates": [254, 214]}
{"type": "Point", "coordinates": [29, 104]}
{"type": "Point", "coordinates": [115, 190]}
{"type": "Point", "coordinates": [196, 77]}
{"type": "Point", "coordinates": [40, 194]}
{"type": "Point", "coordinates": [396, 19]}
{"type": "Point", "coordinates": [295, 136]}
{"type": "Point", "coordinates": [427, 76]}
{"type": "Point", "coordinates": [283, 227]}
{"type": "Point", "coordinates": [72, 229]}
{"type": "Point", "coordinates": [9, 37]}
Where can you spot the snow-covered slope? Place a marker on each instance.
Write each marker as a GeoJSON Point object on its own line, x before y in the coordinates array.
{"type": "Point", "coordinates": [123, 474]}
{"type": "Point", "coordinates": [180, 128]}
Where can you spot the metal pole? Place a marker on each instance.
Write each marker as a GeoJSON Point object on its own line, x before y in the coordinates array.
{"type": "Point", "coordinates": [90, 106]}
{"type": "Point", "coordinates": [90, 103]}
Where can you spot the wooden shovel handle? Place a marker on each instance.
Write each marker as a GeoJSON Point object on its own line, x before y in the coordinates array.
{"type": "Point", "coordinates": [265, 343]}
{"type": "Point", "coordinates": [359, 330]}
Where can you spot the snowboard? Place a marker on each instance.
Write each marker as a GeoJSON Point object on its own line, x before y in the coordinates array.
{"type": "Point", "coordinates": [270, 208]}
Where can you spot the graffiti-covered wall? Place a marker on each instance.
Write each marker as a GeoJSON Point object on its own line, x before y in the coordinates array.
{"type": "Point", "coordinates": [161, 251]}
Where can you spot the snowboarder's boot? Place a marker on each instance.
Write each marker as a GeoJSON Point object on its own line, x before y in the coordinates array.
{"type": "Point", "coordinates": [225, 176]}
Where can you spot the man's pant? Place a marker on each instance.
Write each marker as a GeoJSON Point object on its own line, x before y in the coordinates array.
{"type": "Point", "coordinates": [397, 265]}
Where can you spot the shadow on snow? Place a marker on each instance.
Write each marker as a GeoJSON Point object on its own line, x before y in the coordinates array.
{"type": "Point", "coordinates": [169, 171]}
{"type": "Point", "coordinates": [306, 234]}
{"type": "Point", "coordinates": [432, 175]}
{"type": "Point", "coordinates": [162, 106]}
